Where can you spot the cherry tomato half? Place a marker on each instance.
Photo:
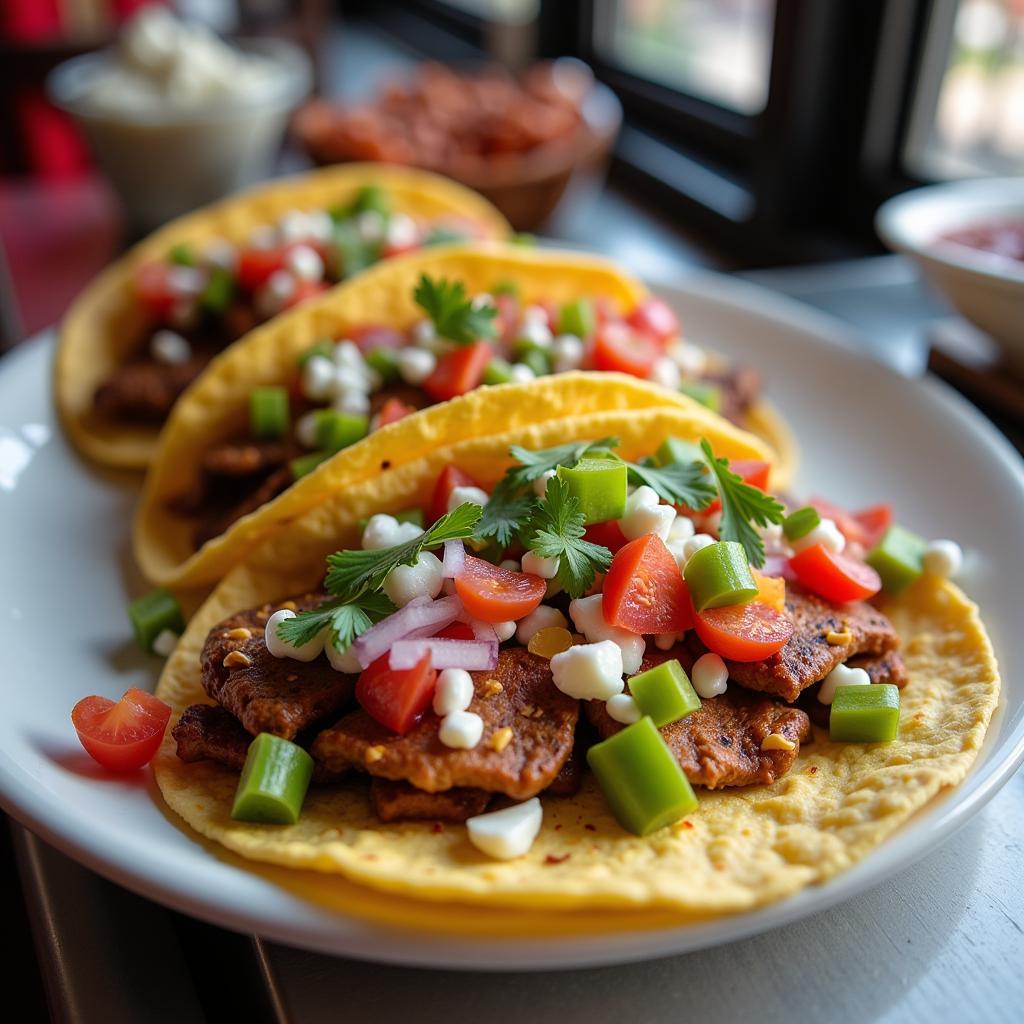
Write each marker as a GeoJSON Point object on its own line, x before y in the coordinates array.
{"type": "Point", "coordinates": [656, 319]}
{"type": "Point", "coordinates": [493, 594]}
{"type": "Point", "coordinates": [123, 735]}
{"type": "Point", "coordinates": [396, 698]}
{"type": "Point", "coordinates": [256, 265]}
{"type": "Point", "coordinates": [743, 632]}
{"type": "Point", "coordinates": [153, 287]}
{"type": "Point", "coordinates": [835, 577]}
{"type": "Point", "coordinates": [609, 535]}
{"type": "Point", "coordinates": [620, 349]}
{"type": "Point", "coordinates": [644, 590]}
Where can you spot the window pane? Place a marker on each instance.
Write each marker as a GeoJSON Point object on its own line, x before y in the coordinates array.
{"type": "Point", "coordinates": [719, 50]}
{"type": "Point", "coordinates": [969, 118]}
{"type": "Point", "coordinates": [514, 12]}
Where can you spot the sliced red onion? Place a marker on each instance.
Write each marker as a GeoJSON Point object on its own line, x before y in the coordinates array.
{"type": "Point", "coordinates": [472, 655]}
{"type": "Point", "coordinates": [419, 615]}
{"type": "Point", "coordinates": [778, 565]}
{"type": "Point", "coordinates": [454, 559]}
{"type": "Point", "coordinates": [481, 630]}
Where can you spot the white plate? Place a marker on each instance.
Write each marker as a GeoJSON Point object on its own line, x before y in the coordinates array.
{"type": "Point", "coordinates": [868, 435]}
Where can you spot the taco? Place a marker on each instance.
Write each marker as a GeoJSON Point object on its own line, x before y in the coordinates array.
{"type": "Point", "coordinates": [247, 448]}
{"type": "Point", "coordinates": [146, 328]}
{"type": "Point", "coordinates": [629, 680]}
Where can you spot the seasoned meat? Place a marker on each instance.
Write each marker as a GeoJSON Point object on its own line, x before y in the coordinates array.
{"type": "Point", "coordinates": [244, 460]}
{"type": "Point", "coordinates": [720, 744]}
{"type": "Point", "coordinates": [568, 781]}
{"type": "Point", "coordinates": [809, 657]}
{"type": "Point", "coordinates": [884, 668]}
{"type": "Point", "coordinates": [738, 387]}
{"type": "Point", "coordinates": [143, 391]}
{"type": "Point", "coordinates": [398, 801]}
{"type": "Point", "coordinates": [206, 732]}
{"type": "Point", "coordinates": [268, 694]}
{"type": "Point", "coordinates": [216, 519]}
{"type": "Point", "coordinates": [542, 721]}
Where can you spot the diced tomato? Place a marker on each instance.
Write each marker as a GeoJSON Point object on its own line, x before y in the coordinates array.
{"type": "Point", "coordinates": [450, 478]}
{"type": "Point", "coordinates": [605, 311]}
{"type": "Point", "coordinates": [461, 370]}
{"type": "Point", "coordinates": [396, 698]}
{"type": "Point", "coordinates": [644, 590]}
{"type": "Point", "coordinates": [124, 735]}
{"type": "Point", "coordinates": [389, 249]}
{"type": "Point", "coordinates": [256, 265]}
{"type": "Point", "coordinates": [304, 290]}
{"type": "Point", "coordinates": [874, 522]}
{"type": "Point", "coordinates": [507, 321]}
{"type": "Point", "coordinates": [393, 410]}
{"type": "Point", "coordinates": [457, 631]}
{"type": "Point", "coordinates": [752, 472]}
{"type": "Point", "coordinates": [618, 348]}
{"type": "Point", "coordinates": [371, 336]}
{"type": "Point", "coordinates": [835, 577]}
{"type": "Point", "coordinates": [771, 590]}
{"type": "Point", "coordinates": [608, 535]}
{"type": "Point", "coordinates": [656, 319]}
{"type": "Point", "coordinates": [743, 632]}
{"type": "Point", "coordinates": [493, 594]}
{"type": "Point", "coordinates": [152, 285]}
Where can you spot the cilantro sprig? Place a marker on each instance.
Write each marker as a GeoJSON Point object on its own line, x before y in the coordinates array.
{"type": "Point", "coordinates": [455, 316]}
{"type": "Point", "coordinates": [678, 483]}
{"type": "Point", "coordinates": [346, 620]}
{"type": "Point", "coordinates": [556, 531]}
{"type": "Point", "coordinates": [743, 507]}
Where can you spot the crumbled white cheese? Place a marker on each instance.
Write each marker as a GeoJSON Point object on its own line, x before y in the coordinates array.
{"type": "Point", "coordinates": [467, 495]}
{"type": "Point", "coordinates": [406, 582]}
{"type": "Point", "coordinates": [540, 485]}
{"type": "Point", "coordinates": [170, 348]}
{"type": "Point", "coordinates": [309, 651]}
{"type": "Point", "coordinates": [542, 617]}
{"type": "Point", "coordinates": [165, 642]}
{"type": "Point", "coordinates": [305, 263]}
{"type": "Point", "coordinates": [520, 373]}
{"type": "Point", "coordinates": [384, 531]}
{"type": "Point", "coordinates": [645, 514]}
{"type": "Point", "coordinates": [415, 365]}
{"type": "Point", "coordinates": [587, 615]}
{"type": "Point", "coordinates": [454, 691]}
{"type": "Point", "coordinates": [505, 630]}
{"type": "Point", "coordinates": [826, 533]}
{"type": "Point", "coordinates": [507, 833]}
{"type": "Point", "coordinates": [841, 675]}
{"type": "Point", "coordinates": [537, 565]}
{"type": "Point", "coordinates": [623, 708]}
{"type": "Point", "coordinates": [589, 671]}
{"type": "Point", "coordinates": [342, 661]}
{"type": "Point", "coordinates": [461, 730]}
{"type": "Point", "coordinates": [944, 558]}
{"type": "Point", "coordinates": [666, 373]}
{"type": "Point", "coordinates": [567, 353]}
{"type": "Point", "coordinates": [709, 676]}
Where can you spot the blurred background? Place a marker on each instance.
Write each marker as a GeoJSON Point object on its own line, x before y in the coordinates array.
{"type": "Point", "coordinates": [754, 133]}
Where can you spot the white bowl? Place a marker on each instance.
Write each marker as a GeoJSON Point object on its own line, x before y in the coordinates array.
{"type": "Point", "coordinates": [166, 163]}
{"type": "Point", "coordinates": [987, 289]}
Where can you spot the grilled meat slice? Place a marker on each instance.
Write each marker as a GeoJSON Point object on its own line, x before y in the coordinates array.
{"type": "Point", "coordinates": [268, 694]}
{"type": "Point", "coordinates": [398, 801]}
{"type": "Point", "coordinates": [143, 391]}
{"type": "Point", "coordinates": [542, 721]}
{"type": "Point", "coordinates": [217, 519]}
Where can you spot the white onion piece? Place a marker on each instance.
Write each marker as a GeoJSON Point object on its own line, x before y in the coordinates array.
{"type": "Point", "coordinates": [481, 630]}
{"type": "Point", "coordinates": [417, 615]}
{"type": "Point", "coordinates": [472, 655]}
{"type": "Point", "coordinates": [454, 559]}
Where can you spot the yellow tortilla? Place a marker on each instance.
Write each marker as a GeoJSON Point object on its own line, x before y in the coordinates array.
{"type": "Point", "coordinates": [740, 849]}
{"type": "Point", "coordinates": [105, 321]}
{"type": "Point", "coordinates": [215, 408]}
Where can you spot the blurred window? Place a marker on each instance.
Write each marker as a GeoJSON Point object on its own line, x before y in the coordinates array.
{"type": "Point", "coordinates": [968, 114]}
{"type": "Point", "coordinates": [517, 12]}
{"type": "Point", "coordinates": [718, 50]}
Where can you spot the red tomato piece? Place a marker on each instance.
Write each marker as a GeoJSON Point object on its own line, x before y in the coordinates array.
{"type": "Point", "coordinates": [461, 370]}
{"type": "Point", "coordinates": [656, 319]}
{"type": "Point", "coordinates": [608, 535]}
{"type": "Point", "coordinates": [303, 291]}
{"type": "Point", "coordinates": [743, 632]}
{"type": "Point", "coordinates": [152, 285]}
{"type": "Point", "coordinates": [450, 478]}
{"type": "Point", "coordinates": [874, 522]}
{"type": "Point", "coordinates": [256, 265]}
{"type": "Point", "coordinates": [396, 698]}
{"type": "Point", "coordinates": [835, 577]}
{"type": "Point", "coordinates": [644, 590]}
{"type": "Point", "coordinates": [493, 594]}
{"type": "Point", "coordinates": [370, 336]}
{"type": "Point", "coordinates": [457, 631]}
{"type": "Point", "coordinates": [393, 410]}
{"type": "Point", "coordinates": [123, 735]}
{"type": "Point", "coordinates": [621, 350]}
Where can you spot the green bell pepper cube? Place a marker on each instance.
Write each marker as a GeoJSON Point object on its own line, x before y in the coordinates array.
{"type": "Point", "coordinates": [151, 614]}
{"type": "Point", "coordinates": [443, 236]}
{"type": "Point", "coordinates": [219, 291]}
{"type": "Point", "coordinates": [719, 575]}
{"type": "Point", "coordinates": [369, 197]}
{"type": "Point", "coordinates": [664, 693]}
{"type": "Point", "coordinates": [182, 254]}
{"type": "Point", "coordinates": [498, 372]}
{"type": "Point", "coordinates": [273, 783]}
{"type": "Point", "coordinates": [865, 714]}
{"type": "Point", "coordinates": [709, 395]}
{"type": "Point", "coordinates": [536, 359]}
{"type": "Point", "coordinates": [641, 779]}
{"type": "Point", "coordinates": [673, 450]}
{"type": "Point", "coordinates": [800, 523]}
{"type": "Point", "coordinates": [505, 288]}
{"type": "Point", "coordinates": [268, 413]}
{"type": "Point", "coordinates": [304, 464]}
{"type": "Point", "coordinates": [599, 485]}
{"type": "Point", "coordinates": [323, 348]}
{"type": "Point", "coordinates": [898, 558]}
{"type": "Point", "coordinates": [577, 318]}
{"type": "Point", "coordinates": [384, 361]}
{"type": "Point", "coordinates": [336, 430]}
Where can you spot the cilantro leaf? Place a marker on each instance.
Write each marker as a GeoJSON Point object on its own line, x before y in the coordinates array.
{"type": "Point", "coordinates": [678, 483]}
{"type": "Point", "coordinates": [556, 531]}
{"type": "Point", "coordinates": [533, 465]}
{"type": "Point", "coordinates": [504, 514]}
{"type": "Point", "coordinates": [455, 316]}
{"type": "Point", "coordinates": [353, 573]}
{"type": "Point", "coordinates": [345, 619]}
{"type": "Point", "coordinates": [743, 508]}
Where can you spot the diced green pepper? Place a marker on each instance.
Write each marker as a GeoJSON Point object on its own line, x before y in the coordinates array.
{"type": "Point", "coordinates": [182, 254]}
{"type": "Point", "coordinates": [498, 372]}
{"type": "Point", "coordinates": [323, 348]}
{"type": "Point", "coordinates": [577, 318]}
{"type": "Point", "coordinates": [897, 558]}
{"type": "Point", "coordinates": [537, 360]}
{"type": "Point", "coordinates": [151, 614]}
{"type": "Point", "coordinates": [641, 779]}
{"type": "Point", "coordinates": [505, 288]}
{"type": "Point", "coordinates": [664, 693]}
{"type": "Point", "coordinates": [384, 361]}
{"type": "Point", "coordinates": [709, 395]}
{"type": "Point", "coordinates": [443, 236]}
{"type": "Point", "coordinates": [719, 575]}
{"type": "Point", "coordinates": [370, 197]}
{"type": "Point", "coordinates": [273, 783]}
{"type": "Point", "coordinates": [599, 485]}
{"type": "Point", "coordinates": [268, 413]}
{"type": "Point", "coordinates": [354, 253]}
{"type": "Point", "coordinates": [336, 430]}
{"type": "Point", "coordinates": [865, 714]}
{"type": "Point", "coordinates": [219, 291]}
{"type": "Point", "coordinates": [674, 450]}
{"type": "Point", "coordinates": [410, 515]}
{"type": "Point", "coordinates": [304, 464]}
{"type": "Point", "coordinates": [800, 523]}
